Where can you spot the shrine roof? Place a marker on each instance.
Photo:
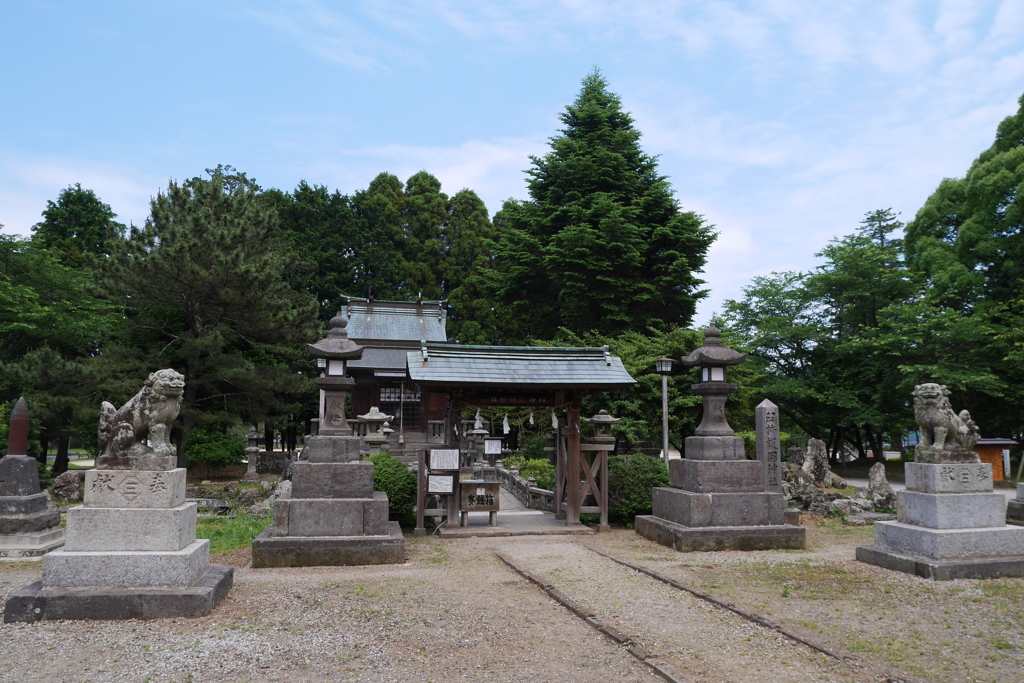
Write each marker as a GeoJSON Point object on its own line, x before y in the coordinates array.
{"type": "Point", "coordinates": [396, 320]}
{"type": "Point", "coordinates": [381, 359]}
{"type": "Point", "coordinates": [457, 365]}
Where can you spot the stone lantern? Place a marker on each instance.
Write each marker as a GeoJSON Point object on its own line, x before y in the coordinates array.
{"type": "Point", "coordinates": [602, 427]}
{"type": "Point", "coordinates": [332, 354]}
{"type": "Point", "coordinates": [477, 435]}
{"type": "Point", "coordinates": [251, 449]}
{"type": "Point", "coordinates": [713, 358]}
{"type": "Point", "coordinates": [375, 434]}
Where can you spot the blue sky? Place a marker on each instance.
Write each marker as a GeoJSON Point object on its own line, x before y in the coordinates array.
{"type": "Point", "coordinates": [781, 121]}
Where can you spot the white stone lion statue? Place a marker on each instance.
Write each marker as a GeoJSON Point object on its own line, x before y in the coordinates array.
{"type": "Point", "coordinates": [148, 415]}
{"type": "Point", "coordinates": [942, 430]}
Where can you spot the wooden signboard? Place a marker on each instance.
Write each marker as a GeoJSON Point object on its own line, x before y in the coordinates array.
{"type": "Point", "coordinates": [444, 458]}
{"type": "Point", "coordinates": [480, 496]}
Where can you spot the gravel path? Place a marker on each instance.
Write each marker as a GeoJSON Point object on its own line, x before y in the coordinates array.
{"type": "Point", "coordinates": [454, 612]}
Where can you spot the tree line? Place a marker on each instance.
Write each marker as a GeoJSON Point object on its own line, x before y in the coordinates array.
{"type": "Point", "coordinates": [227, 281]}
{"type": "Point", "coordinates": [940, 299]}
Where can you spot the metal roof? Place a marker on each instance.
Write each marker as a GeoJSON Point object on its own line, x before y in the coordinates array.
{"type": "Point", "coordinates": [517, 366]}
{"type": "Point", "coordinates": [381, 359]}
{"type": "Point", "coordinates": [397, 320]}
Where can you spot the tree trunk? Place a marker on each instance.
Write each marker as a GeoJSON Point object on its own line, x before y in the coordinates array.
{"type": "Point", "coordinates": [841, 446]}
{"type": "Point", "coordinates": [60, 463]}
{"type": "Point", "coordinates": [859, 443]}
{"type": "Point", "coordinates": [268, 437]}
{"type": "Point", "coordinates": [44, 443]}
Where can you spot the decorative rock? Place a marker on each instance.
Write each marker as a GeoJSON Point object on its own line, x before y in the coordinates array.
{"type": "Point", "coordinates": [68, 486]}
{"type": "Point", "coordinates": [879, 490]}
{"type": "Point", "coordinates": [816, 463]}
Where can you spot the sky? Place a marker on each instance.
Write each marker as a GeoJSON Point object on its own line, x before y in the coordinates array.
{"type": "Point", "coordinates": [782, 122]}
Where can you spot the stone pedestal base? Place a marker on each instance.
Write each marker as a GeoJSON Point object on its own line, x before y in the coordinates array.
{"type": "Point", "coordinates": [315, 551]}
{"type": "Point", "coordinates": [943, 570]}
{"type": "Point", "coordinates": [31, 544]}
{"type": "Point", "coordinates": [37, 602]}
{"type": "Point", "coordinates": [949, 525]}
{"type": "Point", "coordinates": [692, 509]}
{"type": "Point", "coordinates": [1015, 512]}
{"type": "Point", "coordinates": [699, 539]}
{"type": "Point", "coordinates": [127, 569]}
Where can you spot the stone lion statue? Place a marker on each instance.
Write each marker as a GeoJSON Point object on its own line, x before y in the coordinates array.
{"type": "Point", "coordinates": [945, 436]}
{"type": "Point", "coordinates": [148, 415]}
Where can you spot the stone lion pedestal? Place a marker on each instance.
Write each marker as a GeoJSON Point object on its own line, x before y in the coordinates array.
{"type": "Point", "coordinates": [949, 522]}
{"type": "Point", "coordinates": [333, 517]}
{"type": "Point", "coordinates": [130, 550]}
{"type": "Point", "coordinates": [718, 500]}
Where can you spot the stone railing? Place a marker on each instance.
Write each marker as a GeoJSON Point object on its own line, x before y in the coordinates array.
{"type": "Point", "coordinates": [529, 495]}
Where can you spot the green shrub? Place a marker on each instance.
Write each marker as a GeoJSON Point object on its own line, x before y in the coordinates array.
{"type": "Point", "coordinates": [391, 476]}
{"type": "Point", "coordinates": [631, 479]}
{"type": "Point", "coordinates": [513, 462]}
{"type": "Point", "coordinates": [214, 448]}
{"type": "Point", "coordinates": [541, 470]}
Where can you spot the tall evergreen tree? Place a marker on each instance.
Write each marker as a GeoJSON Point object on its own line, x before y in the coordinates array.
{"type": "Point", "coordinates": [601, 243]}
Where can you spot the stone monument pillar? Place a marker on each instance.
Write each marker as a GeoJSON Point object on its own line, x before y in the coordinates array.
{"type": "Point", "coordinates": [949, 522]}
{"type": "Point", "coordinates": [28, 527]}
{"type": "Point", "coordinates": [716, 499]}
{"type": "Point", "coordinates": [131, 550]}
{"type": "Point", "coordinates": [333, 516]}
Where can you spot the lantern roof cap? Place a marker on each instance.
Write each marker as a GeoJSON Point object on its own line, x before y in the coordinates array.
{"type": "Point", "coordinates": [603, 418]}
{"type": "Point", "coordinates": [713, 352]}
{"type": "Point", "coordinates": [336, 345]}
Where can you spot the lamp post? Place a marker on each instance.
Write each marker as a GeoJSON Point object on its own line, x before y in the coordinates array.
{"type": "Point", "coordinates": [664, 367]}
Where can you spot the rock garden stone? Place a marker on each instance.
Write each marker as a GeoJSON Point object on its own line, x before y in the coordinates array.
{"type": "Point", "coordinates": [68, 487]}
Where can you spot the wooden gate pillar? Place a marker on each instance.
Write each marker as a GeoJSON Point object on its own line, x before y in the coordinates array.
{"type": "Point", "coordinates": [572, 514]}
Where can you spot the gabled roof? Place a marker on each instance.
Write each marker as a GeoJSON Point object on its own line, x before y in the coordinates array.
{"type": "Point", "coordinates": [455, 365]}
{"type": "Point", "coordinates": [381, 359]}
{"type": "Point", "coordinates": [396, 320]}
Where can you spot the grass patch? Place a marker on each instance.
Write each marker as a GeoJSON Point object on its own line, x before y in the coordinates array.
{"type": "Point", "coordinates": [228, 533]}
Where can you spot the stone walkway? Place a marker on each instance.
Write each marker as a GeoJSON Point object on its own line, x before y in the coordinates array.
{"type": "Point", "coordinates": [514, 519]}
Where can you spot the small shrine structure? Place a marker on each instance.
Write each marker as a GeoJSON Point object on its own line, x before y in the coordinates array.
{"type": "Point", "coordinates": [535, 377]}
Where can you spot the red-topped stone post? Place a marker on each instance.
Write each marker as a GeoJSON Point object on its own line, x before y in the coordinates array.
{"type": "Point", "coordinates": [28, 527]}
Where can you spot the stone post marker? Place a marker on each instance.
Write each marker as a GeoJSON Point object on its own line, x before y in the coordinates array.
{"type": "Point", "coordinates": [28, 527]}
{"type": "Point", "coordinates": [333, 516]}
{"type": "Point", "coordinates": [131, 550]}
{"type": "Point", "coordinates": [769, 452]}
{"type": "Point", "coordinates": [949, 522]}
{"type": "Point", "coordinates": [717, 499]}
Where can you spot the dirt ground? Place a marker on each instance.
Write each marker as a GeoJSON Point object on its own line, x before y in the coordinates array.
{"type": "Point", "coordinates": [454, 612]}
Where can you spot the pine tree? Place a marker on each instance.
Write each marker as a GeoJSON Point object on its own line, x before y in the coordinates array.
{"type": "Point", "coordinates": [601, 243]}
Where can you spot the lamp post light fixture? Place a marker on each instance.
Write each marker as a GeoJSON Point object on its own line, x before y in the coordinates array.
{"type": "Point", "coordinates": [664, 367]}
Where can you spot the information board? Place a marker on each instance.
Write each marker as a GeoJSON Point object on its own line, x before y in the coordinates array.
{"type": "Point", "coordinates": [440, 483]}
{"type": "Point", "coordinates": [444, 458]}
{"type": "Point", "coordinates": [492, 446]}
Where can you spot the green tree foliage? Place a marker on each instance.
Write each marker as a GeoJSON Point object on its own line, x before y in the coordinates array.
{"type": "Point", "coordinates": [206, 287]}
{"type": "Point", "coordinates": [52, 327]}
{"type": "Point", "coordinates": [840, 350]}
{"type": "Point", "coordinates": [77, 224]}
{"type": "Point", "coordinates": [601, 243]}
{"type": "Point", "coordinates": [392, 477]}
